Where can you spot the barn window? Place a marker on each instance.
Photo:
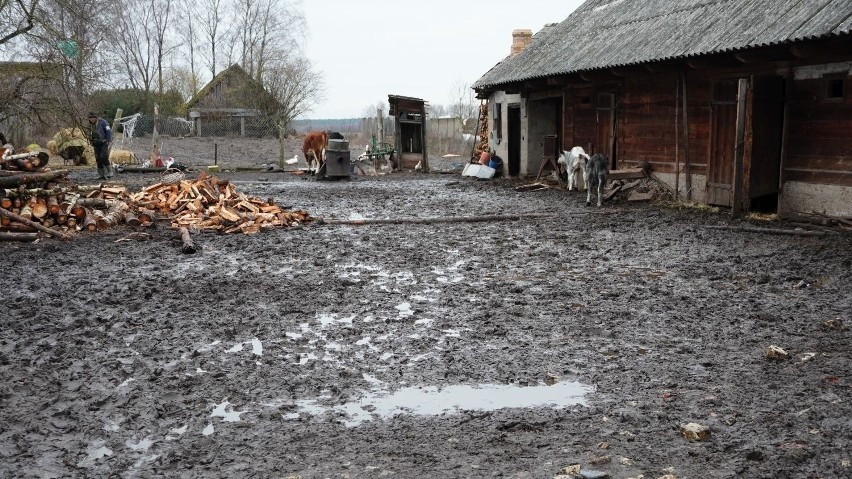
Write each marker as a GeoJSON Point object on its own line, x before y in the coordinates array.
{"type": "Point", "coordinates": [834, 89]}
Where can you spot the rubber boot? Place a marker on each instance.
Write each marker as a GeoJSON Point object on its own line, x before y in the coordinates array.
{"type": "Point", "coordinates": [101, 173]}
{"type": "Point", "coordinates": [110, 171]}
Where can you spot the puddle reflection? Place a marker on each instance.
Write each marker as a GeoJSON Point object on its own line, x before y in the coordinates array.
{"type": "Point", "coordinates": [433, 401]}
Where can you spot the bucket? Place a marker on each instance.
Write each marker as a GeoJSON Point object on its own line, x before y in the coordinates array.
{"type": "Point", "coordinates": [495, 162]}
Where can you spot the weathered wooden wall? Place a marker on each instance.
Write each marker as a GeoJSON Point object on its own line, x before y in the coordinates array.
{"type": "Point", "coordinates": [820, 139]}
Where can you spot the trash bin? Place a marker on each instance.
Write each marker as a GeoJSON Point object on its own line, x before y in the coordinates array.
{"type": "Point", "coordinates": [497, 163]}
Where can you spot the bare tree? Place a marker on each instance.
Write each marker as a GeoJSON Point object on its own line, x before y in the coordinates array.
{"type": "Point", "coordinates": [161, 11]}
{"type": "Point", "coordinates": [67, 33]}
{"type": "Point", "coordinates": [296, 88]}
{"type": "Point", "coordinates": [214, 30]}
{"type": "Point", "coordinates": [464, 104]}
{"type": "Point", "coordinates": [135, 42]}
{"type": "Point", "coordinates": [188, 34]}
{"type": "Point", "coordinates": [17, 17]}
{"type": "Point", "coordinates": [267, 34]}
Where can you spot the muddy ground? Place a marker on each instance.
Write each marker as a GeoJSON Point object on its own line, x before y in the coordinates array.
{"type": "Point", "coordinates": [449, 350]}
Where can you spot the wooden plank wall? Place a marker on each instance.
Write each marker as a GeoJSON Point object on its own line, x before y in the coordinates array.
{"type": "Point", "coordinates": [650, 116]}
{"type": "Point", "coordinates": [820, 138]}
{"type": "Point", "coordinates": [579, 121]}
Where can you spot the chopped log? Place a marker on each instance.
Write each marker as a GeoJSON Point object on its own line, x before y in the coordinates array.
{"type": "Point", "coordinates": [18, 228]}
{"type": "Point", "coordinates": [26, 179]}
{"type": "Point", "coordinates": [146, 217]}
{"type": "Point", "coordinates": [90, 224]}
{"type": "Point", "coordinates": [19, 219]}
{"type": "Point", "coordinates": [6, 202]}
{"type": "Point", "coordinates": [52, 205]}
{"type": "Point", "coordinates": [114, 217]}
{"type": "Point", "coordinates": [187, 247]}
{"type": "Point", "coordinates": [39, 208]}
{"type": "Point", "coordinates": [427, 221]}
{"type": "Point", "coordinates": [4, 236]}
{"type": "Point", "coordinates": [27, 212]}
{"type": "Point", "coordinates": [71, 223]}
{"type": "Point", "coordinates": [774, 231]}
{"type": "Point", "coordinates": [78, 212]}
{"type": "Point", "coordinates": [92, 203]}
{"type": "Point", "coordinates": [132, 220]}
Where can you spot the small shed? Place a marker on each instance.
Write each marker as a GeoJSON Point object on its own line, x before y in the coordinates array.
{"type": "Point", "coordinates": [410, 131]}
{"type": "Point", "coordinates": [233, 103]}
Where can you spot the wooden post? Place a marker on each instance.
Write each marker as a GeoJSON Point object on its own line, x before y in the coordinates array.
{"type": "Point", "coordinates": [677, 136]}
{"type": "Point", "coordinates": [115, 122]}
{"type": "Point", "coordinates": [739, 149]}
{"type": "Point", "coordinates": [785, 132]}
{"type": "Point", "coordinates": [155, 147]}
{"type": "Point", "coordinates": [686, 163]}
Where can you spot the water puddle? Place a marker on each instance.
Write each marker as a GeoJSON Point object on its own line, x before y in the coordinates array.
{"type": "Point", "coordinates": [256, 347]}
{"type": "Point", "coordinates": [142, 445]}
{"type": "Point", "coordinates": [226, 412]}
{"type": "Point", "coordinates": [433, 401]}
{"type": "Point", "coordinates": [95, 452]}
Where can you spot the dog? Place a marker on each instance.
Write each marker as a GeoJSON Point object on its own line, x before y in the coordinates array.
{"type": "Point", "coordinates": [573, 161]}
{"type": "Point", "coordinates": [597, 175]}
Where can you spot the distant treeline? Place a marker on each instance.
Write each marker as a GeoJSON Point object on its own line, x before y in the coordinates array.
{"type": "Point", "coordinates": [341, 125]}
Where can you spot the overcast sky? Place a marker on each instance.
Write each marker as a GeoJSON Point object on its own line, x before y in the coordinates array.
{"type": "Point", "coordinates": [367, 49]}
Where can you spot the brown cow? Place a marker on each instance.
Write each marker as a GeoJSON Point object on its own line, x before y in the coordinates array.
{"type": "Point", "coordinates": [314, 149]}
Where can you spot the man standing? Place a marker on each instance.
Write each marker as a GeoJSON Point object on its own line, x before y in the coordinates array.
{"type": "Point", "coordinates": [101, 138]}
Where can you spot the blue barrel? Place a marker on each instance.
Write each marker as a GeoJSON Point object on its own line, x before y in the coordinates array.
{"type": "Point", "coordinates": [495, 162]}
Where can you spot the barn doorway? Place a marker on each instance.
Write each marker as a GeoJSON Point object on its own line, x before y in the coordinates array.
{"type": "Point", "coordinates": [514, 117]}
{"type": "Point", "coordinates": [762, 163]}
{"type": "Point", "coordinates": [764, 172]}
{"type": "Point", "coordinates": [723, 136]}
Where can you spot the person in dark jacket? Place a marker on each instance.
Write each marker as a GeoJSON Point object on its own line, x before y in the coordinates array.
{"type": "Point", "coordinates": [101, 139]}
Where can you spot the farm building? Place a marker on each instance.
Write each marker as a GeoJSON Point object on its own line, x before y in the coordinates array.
{"type": "Point", "coordinates": [233, 104]}
{"type": "Point", "coordinates": [739, 103]}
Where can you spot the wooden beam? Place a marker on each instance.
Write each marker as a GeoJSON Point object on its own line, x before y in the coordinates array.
{"type": "Point", "coordinates": [739, 149]}
{"type": "Point", "coordinates": [764, 55]}
{"type": "Point", "coordinates": [713, 62]}
{"type": "Point", "coordinates": [598, 76]}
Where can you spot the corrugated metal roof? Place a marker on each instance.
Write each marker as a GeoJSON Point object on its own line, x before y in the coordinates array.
{"type": "Point", "coordinates": [611, 33]}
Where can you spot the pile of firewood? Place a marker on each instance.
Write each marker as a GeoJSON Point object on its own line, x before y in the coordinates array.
{"type": "Point", "coordinates": [48, 203]}
{"type": "Point", "coordinates": [482, 134]}
{"type": "Point", "coordinates": [24, 160]}
{"type": "Point", "coordinates": [209, 203]}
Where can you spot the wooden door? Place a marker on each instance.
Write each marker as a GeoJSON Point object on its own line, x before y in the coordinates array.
{"type": "Point", "coordinates": [605, 138]}
{"type": "Point", "coordinates": [720, 169]}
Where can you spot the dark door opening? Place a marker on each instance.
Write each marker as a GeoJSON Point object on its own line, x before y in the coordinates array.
{"type": "Point", "coordinates": [514, 140]}
{"type": "Point", "coordinates": [767, 132]}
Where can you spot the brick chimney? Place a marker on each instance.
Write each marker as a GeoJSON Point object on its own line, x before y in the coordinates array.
{"type": "Point", "coordinates": [520, 39]}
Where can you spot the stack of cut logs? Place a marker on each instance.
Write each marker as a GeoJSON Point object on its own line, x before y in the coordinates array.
{"type": "Point", "coordinates": [25, 160]}
{"type": "Point", "coordinates": [48, 203]}
{"type": "Point", "coordinates": [482, 140]}
{"type": "Point", "coordinates": [209, 203]}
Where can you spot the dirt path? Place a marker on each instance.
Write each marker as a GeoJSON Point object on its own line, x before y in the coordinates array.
{"type": "Point", "coordinates": [342, 351]}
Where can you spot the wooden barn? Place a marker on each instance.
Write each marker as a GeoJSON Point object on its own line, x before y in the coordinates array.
{"type": "Point", "coordinates": [232, 104]}
{"type": "Point", "coordinates": [739, 103]}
